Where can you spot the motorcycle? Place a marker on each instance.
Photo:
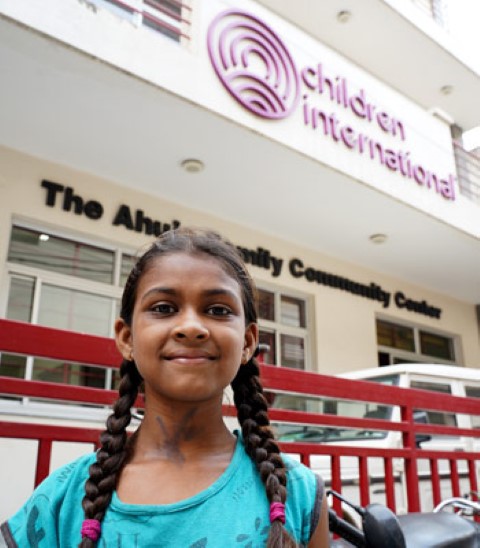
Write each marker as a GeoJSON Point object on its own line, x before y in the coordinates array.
{"type": "Point", "coordinates": [381, 528]}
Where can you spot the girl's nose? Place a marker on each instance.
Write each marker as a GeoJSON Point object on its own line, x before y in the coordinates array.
{"type": "Point", "coordinates": [190, 327]}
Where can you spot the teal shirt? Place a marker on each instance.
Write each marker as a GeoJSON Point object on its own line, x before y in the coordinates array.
{"type": "Point", "coordinates": [232, 512]}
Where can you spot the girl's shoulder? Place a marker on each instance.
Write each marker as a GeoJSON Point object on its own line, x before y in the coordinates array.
{"type": "Point", "coordinates": [59, 494]}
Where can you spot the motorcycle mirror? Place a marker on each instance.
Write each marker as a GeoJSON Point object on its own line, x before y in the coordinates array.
{"type": "Point", "coordinates": [382, 528]}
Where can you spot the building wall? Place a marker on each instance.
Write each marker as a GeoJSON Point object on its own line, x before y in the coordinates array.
{"type": "Point", "coordinates": [344, 323]}
{"type": "Point", "coordinates": [422, 140]}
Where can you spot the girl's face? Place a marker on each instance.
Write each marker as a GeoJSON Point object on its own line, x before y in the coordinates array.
{"type": "Point", "coordinates": [188, 335]}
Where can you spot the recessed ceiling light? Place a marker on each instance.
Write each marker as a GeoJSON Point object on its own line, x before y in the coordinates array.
{"type": "Point", "coordinates": [344, 16]}
{"type": "Point", "coordinates": [378, 238]}
{"type": "Point", "coordinates": [446, 90]}
{"type": "Point", "coordinates": [192, 165]}
{"type": "Point", "coordinates": [44, 237]}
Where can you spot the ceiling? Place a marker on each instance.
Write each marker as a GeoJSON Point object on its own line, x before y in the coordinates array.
{"type": "Point", "coordinates": [388, 45]}
{"type": "Point", "coordinates": [63, 106]}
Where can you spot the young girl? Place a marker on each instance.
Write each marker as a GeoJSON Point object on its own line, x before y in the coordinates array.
{"type": "Point", "coordinates": [188, 329]}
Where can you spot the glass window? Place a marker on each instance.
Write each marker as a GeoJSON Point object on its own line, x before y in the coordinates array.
{"type": "Point", "coordinates": [292, 351]}
{"type": "Point", "coordinates": [68, 373]}
{"type": "Point", "coordinates": [473, 392]}
{"type": "Point", "coordinates": [436, 346]}
{"type": "Point", "coordinates": [437, 417]}
{"type": "Point", "coordinates": [75, 310]}
{"type": "Point", "coordinates": [13, 366]}
{"type": "Point", "coordinates": [411, 344]}
{"type": "Point", "coordinates": [126, 266]}
{"type": "Point", "coordinates": [20, 299]}
{"type": "Point", "coordinates": [47, 252]}
{"type": "Point", "coordinates": [267, 338]}
{"type": "Point", "coordinates": [283, 325]}
{"type": "Point", "coordinates": [266, 305]}
{"type": "Point", "coordinates": [395, 336]}
{"type": "Point", "coordinates": [292, 311]}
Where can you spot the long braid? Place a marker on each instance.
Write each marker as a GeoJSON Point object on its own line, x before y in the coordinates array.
{"type": "Point", "coordinates": [260, 444]}
{"type": "Point", "coordinates": [113, 452]}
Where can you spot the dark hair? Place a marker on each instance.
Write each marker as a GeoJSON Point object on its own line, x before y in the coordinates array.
{"type": "Point", "coordinates": [248, 391]}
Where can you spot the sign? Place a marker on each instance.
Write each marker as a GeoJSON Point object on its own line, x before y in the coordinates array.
{"type": "Point", "coordinates": [258, 70]}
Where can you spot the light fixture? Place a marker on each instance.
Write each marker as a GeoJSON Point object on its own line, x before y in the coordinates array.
{"type": "Point", "coordinates": [191, 165]}
{"type": "Point", "coordinates": [446, 90]}
{"type": "Point", "coordinates": [344, 16]}
{"type": "Point", "coordinates": [44, 237]}
{"type": "Point", "coordinates": [378, 238]}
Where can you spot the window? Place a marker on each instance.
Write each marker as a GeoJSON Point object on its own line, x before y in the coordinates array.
{"type": "Point", "coordinates": [63, 283]}
{"type": "Point", "coordinates": [436, 417]}
{"type": "Point", "coordinates": [473, 392]}
{"type": "Point", "coordinates": [164, 16]}
{"type": "Point", "coordinates": [283, 322]}
{"type": "Point", "coordinates": [399, 343]}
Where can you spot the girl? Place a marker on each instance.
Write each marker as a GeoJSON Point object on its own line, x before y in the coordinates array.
{"type": "Point", "coordinates": [188, 329]}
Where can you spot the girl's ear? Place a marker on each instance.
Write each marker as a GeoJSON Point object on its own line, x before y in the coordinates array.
{"type": "Point", "coordinates": [251, 342]}
{"type": "Point", "coordinates": [123, 338]}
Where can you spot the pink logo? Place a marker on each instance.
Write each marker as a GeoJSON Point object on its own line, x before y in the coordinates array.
{"type": "Point", "coordinates": [253, 64]}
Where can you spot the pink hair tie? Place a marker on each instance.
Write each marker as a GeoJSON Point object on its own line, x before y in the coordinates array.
{"type": "Point", "coordinates": [91, 529]}
{"type": "Point", "coordinates": [277, 511]}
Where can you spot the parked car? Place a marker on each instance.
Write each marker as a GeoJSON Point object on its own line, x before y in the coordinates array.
{"type": "Point", "coordinates": [454, 380]}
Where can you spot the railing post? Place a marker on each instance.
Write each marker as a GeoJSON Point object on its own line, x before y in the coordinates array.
{"type": "Point", "coordinates": [454, 478]}
{"type": "Point", "coordinates": [43, 460]}
{"type": "Point", "coordinates": [411, 469]}
{"type": "Point", "coordinates": [364, 483]}
{"type": "Point", "coordinates": [389, 484]}
{"type": "Point", "coordinates": [336, 482]}
{"type": "Point", "coordinates": [436, 494]}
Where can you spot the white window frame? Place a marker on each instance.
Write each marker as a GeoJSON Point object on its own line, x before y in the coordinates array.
{"type": "Point", "coordinates": [112, 291]}
{"type": "Point", "coordinates": [307, 332]}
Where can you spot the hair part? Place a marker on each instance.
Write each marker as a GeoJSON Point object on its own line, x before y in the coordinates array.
{"type": "Point", "coordinates": [252, 408]}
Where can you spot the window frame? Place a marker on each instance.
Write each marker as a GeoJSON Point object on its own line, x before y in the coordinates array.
{"type": "Point", "coordinates": [112, 291]}
{"type": "Point", "coordinates": [417, 356]}
{"type": "Point", "coordinates": [276, 327]}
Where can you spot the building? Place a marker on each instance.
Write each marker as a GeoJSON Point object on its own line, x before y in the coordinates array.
{"type": "Point", "coordinates": [319, 141]}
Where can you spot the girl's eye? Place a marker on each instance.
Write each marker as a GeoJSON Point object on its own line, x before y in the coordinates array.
{"type": "Point", "coordinates": [163, 308]}
{"type": "Point", "coordinates": [219, 310]}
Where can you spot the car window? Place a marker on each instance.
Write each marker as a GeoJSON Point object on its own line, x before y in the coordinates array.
{"type": "Point", "coordinates": [473, 392]}
{"type": "Point", "coordinates": [437, 417]}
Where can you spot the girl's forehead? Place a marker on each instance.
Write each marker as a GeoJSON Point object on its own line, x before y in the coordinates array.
{"type": "Point", "coordinates": [181, 267]}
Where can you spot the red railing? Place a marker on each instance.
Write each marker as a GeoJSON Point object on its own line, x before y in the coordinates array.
{"type": "Point", "coordinates": [31, 340]}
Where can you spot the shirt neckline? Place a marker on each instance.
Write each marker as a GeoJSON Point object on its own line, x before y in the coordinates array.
{"type": "Point", "coordinates": [217, 485]}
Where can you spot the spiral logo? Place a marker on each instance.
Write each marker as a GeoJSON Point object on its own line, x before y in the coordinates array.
{"type": "Point", "coordinates": [253, 64]}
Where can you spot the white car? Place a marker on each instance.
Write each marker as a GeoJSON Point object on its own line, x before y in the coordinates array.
{"type": "Point", "coordinates": [454, 380]}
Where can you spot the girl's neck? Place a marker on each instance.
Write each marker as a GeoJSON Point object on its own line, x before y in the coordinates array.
{"type": "Point", "coordinates": [179, 432]}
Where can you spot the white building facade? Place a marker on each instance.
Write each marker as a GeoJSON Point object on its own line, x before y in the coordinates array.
{"type": "Point", "coordinates": [318, 141]}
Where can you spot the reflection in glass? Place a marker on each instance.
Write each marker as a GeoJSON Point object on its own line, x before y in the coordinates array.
{"type": "Point", "coordinates": [20, 299]}
{"type": "Point", "coordinates": [268, 338]}
{"type": "Point", "coordinates": [68, 373]}
{"type": "Point", "coordinates": [75, 310]}
{"type": "Point", "coordinates": [395, 336]}
{"type": "Point", "coordinates": [292, 311]}
{"type": "Point", "coordinates": [266, 305]}
{"type": "Point", "coordinates": [292, 351]}
{"type": "Point", "coordinates": [39, 250]}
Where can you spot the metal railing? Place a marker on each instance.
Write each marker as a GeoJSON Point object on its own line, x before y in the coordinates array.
{"type": "Point", "coordinates": [435, 9]}
{"type": "Point", "coordinates": [27, 339]}
{"type": "Point", "coordinates": [468, 172]}
{"type": "Point", "coordinates": [168, 17]}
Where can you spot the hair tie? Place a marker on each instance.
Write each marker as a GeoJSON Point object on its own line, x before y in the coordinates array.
{"type": "Point", "coordinates": [277, 511]}
{"type": "Point", "coordinates": [91, 529]}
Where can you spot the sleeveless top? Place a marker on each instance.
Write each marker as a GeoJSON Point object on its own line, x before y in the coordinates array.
{"type": "Point", "coordinates": [233, 511]}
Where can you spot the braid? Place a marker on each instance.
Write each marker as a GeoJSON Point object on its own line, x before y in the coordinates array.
{"type": "Point", "coordinates": [260, 444]}
{"type": "Point", "coordinates": [113, 452]}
